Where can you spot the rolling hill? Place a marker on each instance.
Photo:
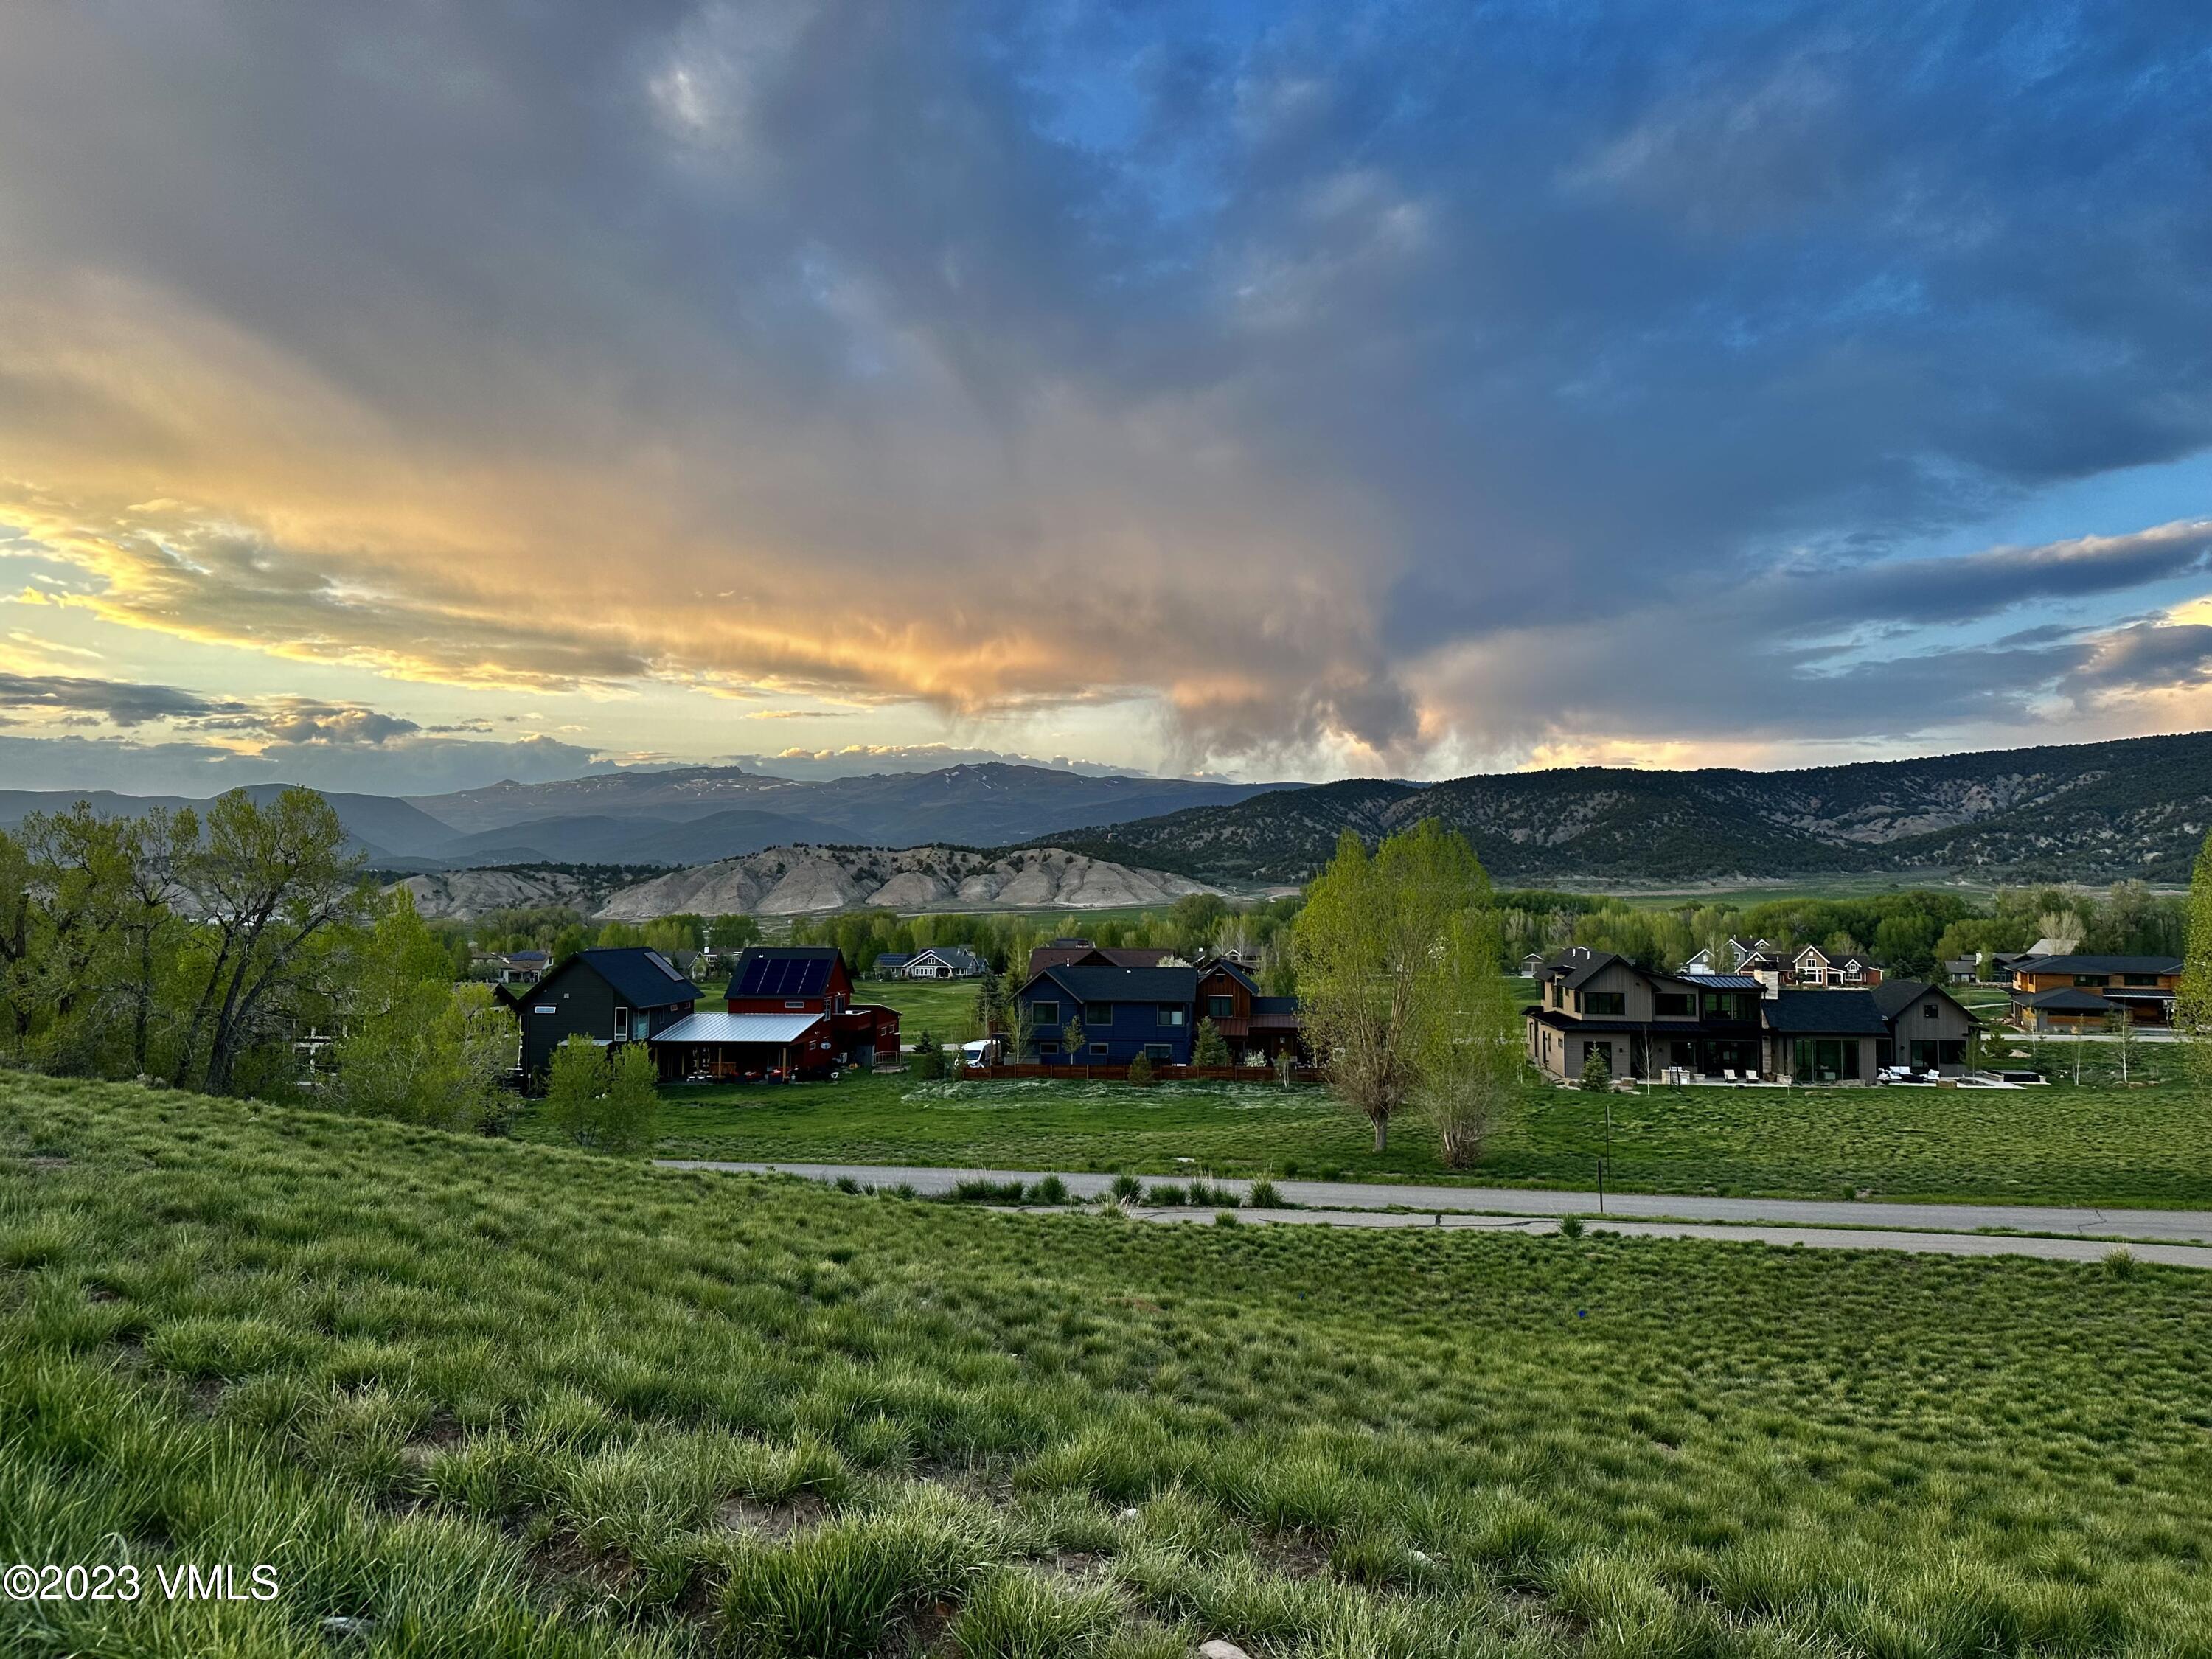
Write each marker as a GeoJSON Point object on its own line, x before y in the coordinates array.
{"type": "Point", "coordinates": [2136, 806]}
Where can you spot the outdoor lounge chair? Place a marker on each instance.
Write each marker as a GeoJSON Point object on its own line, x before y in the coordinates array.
{"type": "Point", "coordinates": [1729, 1072]}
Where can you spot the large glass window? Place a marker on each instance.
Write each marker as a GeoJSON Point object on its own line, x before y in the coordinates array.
{"type": "Point", "coordinates": [1674, 1002]}
{"type": "Point", "coordinates": [2139, 979]}
{"type": "Point", "coordinates": [1605, 1002]}
{"type": "Point", "coordinates": [1045, 1013]}
{"type": "Point", "coordinates": [1170, 1014]}
{"type": "Point", "coordinates": [1221, 1007]}
{"type": "Point", "coordinates": [1826, 1059]}
{"type": "Point", "coordinates": [1097, 1013]}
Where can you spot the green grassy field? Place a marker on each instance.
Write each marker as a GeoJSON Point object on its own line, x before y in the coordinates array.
{"type": "Point", "coordinates": [945, 1008]}
{"type": "Point", "coordinates": [489, 1399]}
{"type": "Point", "coordinates": [2101, 1144]}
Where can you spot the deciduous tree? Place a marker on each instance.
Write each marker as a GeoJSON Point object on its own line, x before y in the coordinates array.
{"type": "Point", "coordinates": [1370, 944]}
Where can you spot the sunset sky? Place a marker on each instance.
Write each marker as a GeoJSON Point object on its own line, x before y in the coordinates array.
{"type": "Point", "coordinates": [405, 397]}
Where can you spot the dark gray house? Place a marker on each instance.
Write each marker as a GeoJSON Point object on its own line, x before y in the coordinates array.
{"type": "Point", "coordinates": [1823, 1037]}
{"type": "Point", "coordinates": [1928, 1028]}
{"type": "Point", "coordinates": [610, 996]}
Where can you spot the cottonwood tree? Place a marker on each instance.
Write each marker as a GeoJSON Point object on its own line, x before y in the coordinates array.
{"type": "Point", "coordinates": [1467, 1059]}
{"type": "Point", "coordinates": [273, 883]}
{"type": "Point", "coordinates": [418, 1047]}
{"type": "Point", "coordinates": [2192, 999]}
{"type": "Point", "coordinates": [1370, 944]}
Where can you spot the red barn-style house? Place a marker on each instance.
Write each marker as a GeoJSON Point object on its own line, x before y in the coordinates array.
{"type": "Point", "coordinates": [814, 979]}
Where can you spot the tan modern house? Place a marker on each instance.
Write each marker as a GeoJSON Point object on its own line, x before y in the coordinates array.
{"type": "Point", "coordinates": [2088, 992]}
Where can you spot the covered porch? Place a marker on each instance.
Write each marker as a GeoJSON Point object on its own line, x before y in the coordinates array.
{"type": "Point", "coordinates": [723, 1048]}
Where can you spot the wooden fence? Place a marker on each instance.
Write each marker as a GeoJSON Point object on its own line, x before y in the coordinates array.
{"type": "Point", "coordinates": [1111, 1072]}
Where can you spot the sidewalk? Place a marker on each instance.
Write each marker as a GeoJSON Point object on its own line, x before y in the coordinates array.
{"type": "Point", "coordinates": [2172, 1227]}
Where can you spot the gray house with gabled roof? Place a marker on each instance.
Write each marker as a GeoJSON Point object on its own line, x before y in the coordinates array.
{"type": "Point", "coordinates": [609, 996]}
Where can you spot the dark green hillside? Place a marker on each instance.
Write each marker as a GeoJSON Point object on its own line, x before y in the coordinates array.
{"type": "Point", "coordinates": [2138, 807]}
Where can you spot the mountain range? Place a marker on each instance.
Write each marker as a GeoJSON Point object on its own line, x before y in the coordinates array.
{"type": "Point", "coordinates": [2134, 806]}
{"type": "Point", "coordinates": [696, 815]}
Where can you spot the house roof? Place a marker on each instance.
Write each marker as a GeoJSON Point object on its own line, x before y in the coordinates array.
{"type": "Point", "coordinates": [1088, 984]}
{"type": "Point", "coordinates": [1825, 1013]}
{"type": "Point", "coordinates": [2082, 964]}
{"type": "Point", "coordinates": [1727, 981]}
{"type": "Point", "coordinates": [716, 1027]}
{"type": "Point", "coordinates": [952, 955]}
{"type": "Point", "coordinates": [2069, 999]}
{"type": "Point", "coordinates": [893, 958]}
{"type": "Point", "coordinates": [1578, 964]}
{"type": "Point", "coordinates": [1235, 971]}
{"type": "Point", "coordinates": [1275, 1014]}
{"type": "Point", "coordinates": [644, 978]}
{"type": "Point", "coordinates": [1894, 996]}
{"type": "Point", "coordinates": [784, 970]}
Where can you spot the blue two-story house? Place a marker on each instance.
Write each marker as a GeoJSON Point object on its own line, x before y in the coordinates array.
{"type": "Point", "coordinates": [1125, 1012]}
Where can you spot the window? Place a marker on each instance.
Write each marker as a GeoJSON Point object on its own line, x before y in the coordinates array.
{"type": "Point", "coordinates": [2088, 979]}
{"type": "Point", "coordinates": [1221, 1007]}
{"type": "Point", "coordinates": [1927, 1010]}
{"type": "Point", "coordinates": [794, 1005]}
{"type": "Point", "coordinates": [1098, 1050]}
{"type": "Point", "coordinates": [545, 1008]}
{"type": "Point", "coordinates": [1171, 1013]}
{"type": "Point", "coordinates": [1159, 1051]}
{"type": "Point", "coordinates": [1674, 1002]}
{"type": "Point", "coordinates": [622, 1023]}
{"type": "Point", "coordinates": [1048, 1047]}
{"type": "Point", "coordinates": [1097, 1013]}
{"type": "Point", "coordinates": [1825, 1060]}
{"type": "Point", "coordinates": [1045, 1013]}
{"type": "Point", "coordinates": [2139, 979]}
{"type": "Point", "coordinates": [1605, 1002]}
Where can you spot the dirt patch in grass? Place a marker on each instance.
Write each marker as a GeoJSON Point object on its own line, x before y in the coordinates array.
{"type": "Point", "coordinates": [780, 1520]}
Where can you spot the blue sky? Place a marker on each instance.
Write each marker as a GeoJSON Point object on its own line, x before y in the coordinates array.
{"type": "Point", "coordinates": [404, 397]}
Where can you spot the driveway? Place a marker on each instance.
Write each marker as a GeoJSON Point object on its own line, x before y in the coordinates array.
{"type": "Point", "coordinates": [2178, 1227]}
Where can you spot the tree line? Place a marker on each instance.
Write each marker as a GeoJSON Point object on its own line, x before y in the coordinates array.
{"type": "Point", "coordinates": [239, 949]}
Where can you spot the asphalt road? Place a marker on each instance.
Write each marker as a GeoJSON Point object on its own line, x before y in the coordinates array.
{"type": "Point", "coordinates": [2175, 1227]}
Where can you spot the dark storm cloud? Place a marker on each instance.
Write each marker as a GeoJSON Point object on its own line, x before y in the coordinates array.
{"type": "Point", "coordinates": [119, 702]}
{"type": "Point", "coordinates": [1239, 359]}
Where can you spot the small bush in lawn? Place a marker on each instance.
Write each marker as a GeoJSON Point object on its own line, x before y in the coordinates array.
{"type": "Point", "coordinates": [928, 1059]}
{"type": "Point", "coordinates": [1051, 1190]}
{"type": "Point", "coordinates": [1019, 1615]}
{"type": "Point", "coordinates": [1141, 1069]}
{"type": "Point", "coordinates": [1225, 1219]}
{"type": "Point", "coordinates": [1264, 1195]}
{"type": "Point", "coordinates": [835, 1591]}
{"type": "Point", "coordinates": [1127, 1188]}
{"type": "Point", "coordinates": [847, 1184]}
{"type": "Point", "coordinates": [1167, 1193]}
{"type": "Point", "coordinates": [978, 1190]}
{"type": "Point", "coordinates": [1571, 1226]}
{"type": "Point", "coordinates": [2120, 1262]}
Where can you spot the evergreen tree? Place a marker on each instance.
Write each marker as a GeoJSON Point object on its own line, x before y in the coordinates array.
{"type": "Point", "coordinates": [1212, 1048]}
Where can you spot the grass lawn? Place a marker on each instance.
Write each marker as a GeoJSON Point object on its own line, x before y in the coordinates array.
{"type": "Point", "coordinates": [2060, 1145]}
{"type": "Point", "coordinates": [945, 1008]}
{"type": "Point", "coordinates": [495, 1399]}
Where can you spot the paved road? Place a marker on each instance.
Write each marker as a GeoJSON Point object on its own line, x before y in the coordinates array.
{"type": "Point", "coordinates": [1816, 1238]}
{"type": "Point", "coordinates": [2167, 1226]}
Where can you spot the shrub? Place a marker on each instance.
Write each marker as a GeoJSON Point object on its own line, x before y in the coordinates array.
{"type": "Point", "coordinates": [1127, 1188]}
{"type": "Point", "coordinates": [1212, 1048]}
{"type": "Point", "coordinates": [1141, 1069]}
{"type": "Point", "coordinates": [1225, 1219]}
{"type": "Point", "coordinates": [1264, 1195]}
{"type": "Point", "coordinates": [1167, 1193]}
{"type": "Point", "coordinates": [1051, 1190]}
{"type": "Point", "coordinates": [928, 1058]}
{"type": "Point", "coordinates": [609, 1105]}
{"type": "Point", "coordinates": [2120, 1262]}
{"type": "Point", "coordinates": [978, 1190]}
{"type": "Point", "coordinates": [1571, 1226]}
{"type": "Point", "coordinates": [1596, 1074]}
